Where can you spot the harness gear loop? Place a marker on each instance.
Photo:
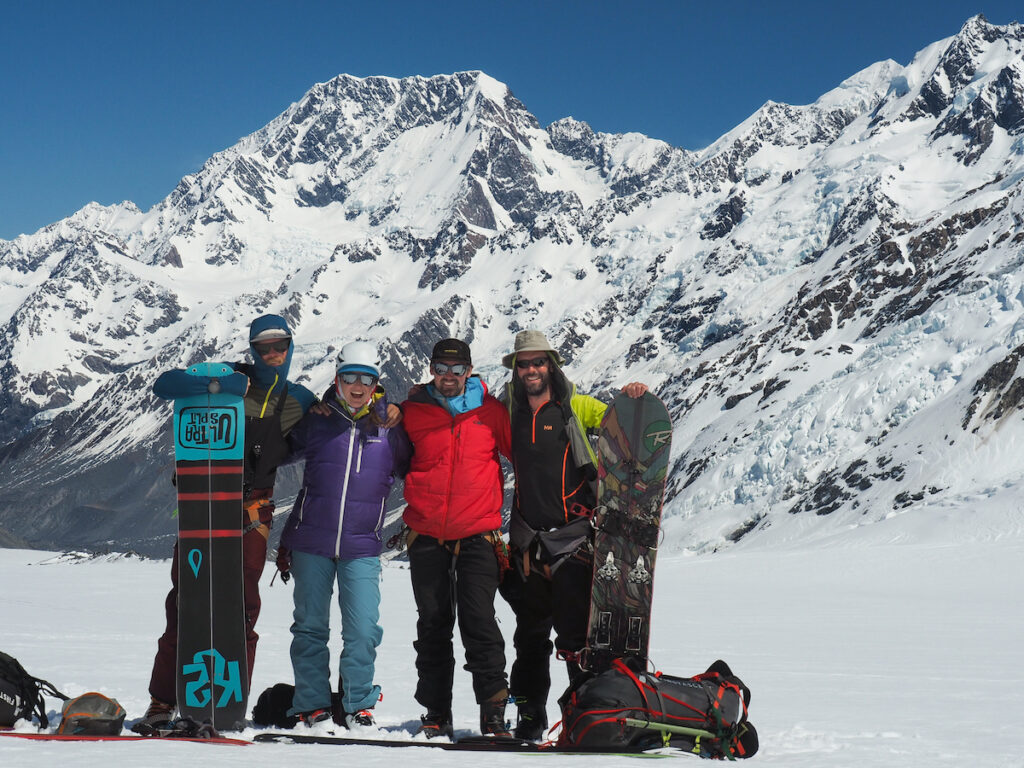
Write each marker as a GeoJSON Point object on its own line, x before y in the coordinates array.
{"type": "Point", "coordinates": [252, 509]}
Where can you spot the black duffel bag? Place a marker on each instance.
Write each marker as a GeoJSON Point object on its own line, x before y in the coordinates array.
{"type": "Point", "coordinates": [21, 694]}
{"type": "Point", "coordinates": [633, 710]}
{"type": "Point", "coordinates": [273, 705]}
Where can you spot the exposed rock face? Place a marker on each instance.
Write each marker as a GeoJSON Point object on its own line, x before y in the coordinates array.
{"type": "Point", "coordinates": [828, 298]}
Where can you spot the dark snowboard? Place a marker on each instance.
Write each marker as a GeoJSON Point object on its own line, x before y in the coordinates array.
{"type": "Point", "coordinates": [464, 744]}
{"type": "Point", "coordinates": [209, 444]}
{"type": "Point", "coordinates": [632, 451]}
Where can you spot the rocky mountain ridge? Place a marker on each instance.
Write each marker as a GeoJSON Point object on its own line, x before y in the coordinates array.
{"type": "Point", "coordinates": [828, 297]}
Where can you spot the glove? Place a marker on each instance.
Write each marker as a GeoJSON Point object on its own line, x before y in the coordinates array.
{"type": "Point", "coordinates": [284, 563]}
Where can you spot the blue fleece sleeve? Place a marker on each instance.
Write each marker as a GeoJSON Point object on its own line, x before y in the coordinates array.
{"type": "Point", "coordinates": [302, 396]}
{"type": "Point", "coordinates": [176, 383]}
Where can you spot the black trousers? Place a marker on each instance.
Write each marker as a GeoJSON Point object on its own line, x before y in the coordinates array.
{"type": "Point", "coordinates": [561, 603]}
{"type": "Point", "coordinates": [450, 581]}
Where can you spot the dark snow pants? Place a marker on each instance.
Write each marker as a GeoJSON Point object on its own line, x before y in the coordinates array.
{"type": "Point", "coordinates": [447, 584]}
{"type": "Point", "coordinates": [540, 604]}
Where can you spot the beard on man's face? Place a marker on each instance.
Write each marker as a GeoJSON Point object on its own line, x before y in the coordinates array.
{"type": "Point", "coordinates": [535, 381]}
{"type": "Point", "coordinates": [449, 386]}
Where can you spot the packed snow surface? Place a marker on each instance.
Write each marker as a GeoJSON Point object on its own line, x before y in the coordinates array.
{"type": "Point", "coordinates": [895, 644]}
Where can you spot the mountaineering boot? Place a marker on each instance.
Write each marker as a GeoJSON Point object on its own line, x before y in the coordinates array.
{"type": "Point", "coordinates": [158, 715]}
{"type": "Point", "coordinates": [316, 716]}
{"type": "Point", "coordinates": [436, 723]}
{"type": "Point", "coordinates": [364, 717]}
{"type": "Point", "coordinates": [492, 718]}
{"type": "Point", "coordinates": [531, 720]}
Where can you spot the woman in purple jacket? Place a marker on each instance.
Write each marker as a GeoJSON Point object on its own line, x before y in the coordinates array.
{"type": "Point", "coordinates": [334, 534]}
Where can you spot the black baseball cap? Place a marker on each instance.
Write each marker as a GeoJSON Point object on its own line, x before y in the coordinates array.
{"type": "Point", "coordinates": [452, 349]}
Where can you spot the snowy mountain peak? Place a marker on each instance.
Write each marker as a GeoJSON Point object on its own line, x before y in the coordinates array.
{"type": "Point", "coordinates": [947, 77]}
{"type": "Point", "coordinates": [375, 151]}
{"type": "Point", "coordinates": [862, 89]}
{"type": "Point", "coordinates": [977, 32]}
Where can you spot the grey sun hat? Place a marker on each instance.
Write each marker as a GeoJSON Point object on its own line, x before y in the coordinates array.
{"type": "Point", "coordinates": [270, 334]}
{"type": "Point", "coordinates": [530, 341]}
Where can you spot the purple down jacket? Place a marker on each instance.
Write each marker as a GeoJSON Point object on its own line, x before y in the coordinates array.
{"type": "Point", "coordinates": [350, 467]}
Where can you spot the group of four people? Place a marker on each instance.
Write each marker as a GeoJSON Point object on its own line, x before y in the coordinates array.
{"type": "Point", "coordinates": [444, 440]}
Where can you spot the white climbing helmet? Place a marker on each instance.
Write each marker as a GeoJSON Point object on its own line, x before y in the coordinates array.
{"type": "Point", "coordinates": [359, 357]}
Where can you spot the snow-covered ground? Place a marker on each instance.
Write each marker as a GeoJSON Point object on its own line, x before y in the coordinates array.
{"type": "Point", "coordinates": [896, 644]}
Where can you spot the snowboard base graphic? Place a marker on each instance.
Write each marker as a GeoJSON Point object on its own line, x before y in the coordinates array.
{"type": "Point", "coordinates": [212, 684]}
{"type": "Point", "coordinates": [633, 450]}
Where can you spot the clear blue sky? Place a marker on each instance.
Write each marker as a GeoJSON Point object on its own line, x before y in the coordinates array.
{"type": "Point", "coordinates": [110, 101]}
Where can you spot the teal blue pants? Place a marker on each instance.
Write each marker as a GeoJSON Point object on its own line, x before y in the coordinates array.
{"type": "Point", "coordinates": [358, 583]}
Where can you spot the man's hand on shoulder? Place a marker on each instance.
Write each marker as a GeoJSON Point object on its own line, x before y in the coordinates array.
{"type": "Point", "coordinates": [634, 389]}
{"type": "Point", "coordinates": [394, 415]}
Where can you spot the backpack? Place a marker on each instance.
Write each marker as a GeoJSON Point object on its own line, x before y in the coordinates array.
{"type": "Point", "coordinates": [273, 705]}
{"type": "Point", "coordinates": [634, 710]}
{"type": "Point", "coordinates": [21, 695]}
{"type": "Point", "coordinates": [91, 714]}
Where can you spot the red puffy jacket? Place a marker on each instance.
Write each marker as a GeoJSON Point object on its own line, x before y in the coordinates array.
{"type": "Point", "coordinates": [454, 484]}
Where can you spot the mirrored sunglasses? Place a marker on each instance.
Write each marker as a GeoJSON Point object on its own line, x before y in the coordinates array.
{"type": "Point", "coordinates": [458, 369]}
{"type": "Point", "coordinates": [350, 377]}
{"type": "Point", "coordinates": [266, 347]}
{"type": "Point", "coordinates": [537, 362]}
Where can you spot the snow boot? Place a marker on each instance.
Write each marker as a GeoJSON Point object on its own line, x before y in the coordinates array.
{"type": "Point", "coordinates": [363, 718]}
{"type": "Point", "coordinates": [159, 715]}
{"type": "Point", "coordinates": [436, 723]}
{"type": "Point", "coordinates": [316, 716]}
{"type": "Point", "coordinates": [531, 720]}
{"type": "Point", "coordinates": [492, 718]}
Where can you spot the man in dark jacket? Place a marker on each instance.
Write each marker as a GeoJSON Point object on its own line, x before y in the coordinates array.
{"type": "Point", "coordinates": [454, 494]}
{"type": "Point", "coordinates": [273, 405]}
{"type": "Point", "coordinates": [549, 530]}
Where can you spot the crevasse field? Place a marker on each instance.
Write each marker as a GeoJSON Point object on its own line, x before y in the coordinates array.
{"type": "Point", "coordinates": [894, 644]}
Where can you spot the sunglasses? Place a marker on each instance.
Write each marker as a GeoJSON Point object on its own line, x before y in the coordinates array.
{"type": "Point", "coordinates": [458, 369]}
{"type": "Point", "coordinates": [537, 362]}
{"type": "Point", "coordinates": [266, 347]}
{"type": "Point", "coordinates": [366, 379]}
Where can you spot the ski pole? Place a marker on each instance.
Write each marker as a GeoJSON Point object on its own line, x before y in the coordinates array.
{"type": "Point", "coordinates": [665, 727]}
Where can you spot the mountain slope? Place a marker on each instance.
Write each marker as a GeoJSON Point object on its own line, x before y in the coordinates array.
{"type": "Point", "coordinates": [828, 298]}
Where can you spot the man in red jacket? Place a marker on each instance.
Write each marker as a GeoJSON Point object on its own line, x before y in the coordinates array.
{"type": "Point", "coordinates": [454, 494]}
